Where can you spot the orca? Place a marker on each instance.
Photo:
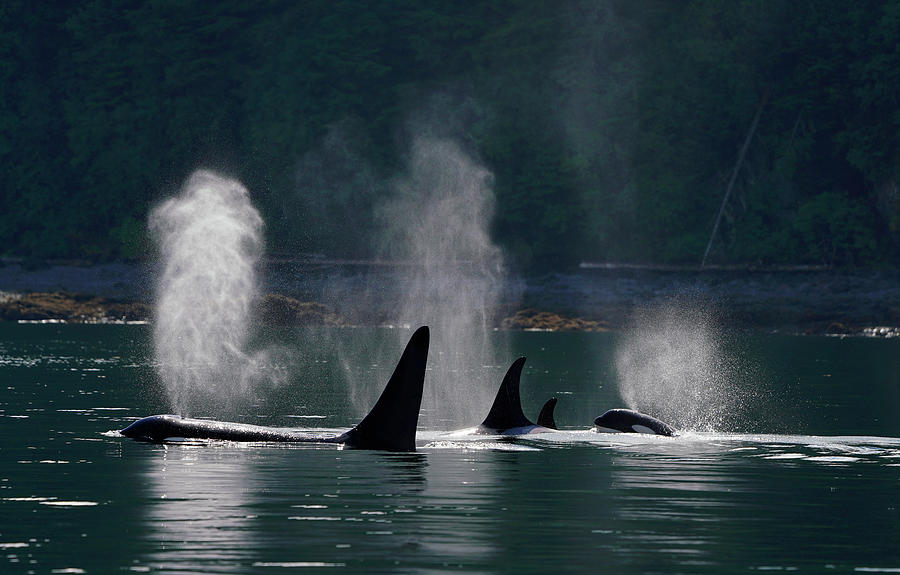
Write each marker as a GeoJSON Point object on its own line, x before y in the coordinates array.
{"type": "Point", "coordinates": [389, 426]}
{"type": "Point", "coordinates": [506, 416]}
{"type": "Point", "coordinates": [630, 421]}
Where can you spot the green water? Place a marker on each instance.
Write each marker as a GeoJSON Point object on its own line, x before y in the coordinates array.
{"type": "Point", "coordinates": [806, 479]}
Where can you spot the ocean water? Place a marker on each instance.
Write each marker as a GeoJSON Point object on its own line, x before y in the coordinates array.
{"type": "Point", "coordinates": [803, 477]}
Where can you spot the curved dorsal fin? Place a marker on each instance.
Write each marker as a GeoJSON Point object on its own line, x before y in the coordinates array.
{"type": "Point", "coordinates": [391, 424]}
{"type": "Point", "coordinates": [545, 417]}
{"type": "Point", "coordinates": [506, 412]}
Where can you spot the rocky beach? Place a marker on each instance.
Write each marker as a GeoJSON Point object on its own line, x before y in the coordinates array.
{"type": "Point", "coordinates": [591, 298]}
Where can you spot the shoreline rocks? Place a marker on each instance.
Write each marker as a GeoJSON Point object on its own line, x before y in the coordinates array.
{"type": "Point", "coordinates": [319, 292]}
{"type": "Point", "coordinates": [282, 310]}
{"type": "Point", "coordinates": [70, 308]}
{"type": "Point", "coordinates": [534, 320]}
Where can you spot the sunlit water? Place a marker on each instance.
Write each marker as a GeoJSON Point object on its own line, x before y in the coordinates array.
{"type": "Point", "coordinates": [809, 483]}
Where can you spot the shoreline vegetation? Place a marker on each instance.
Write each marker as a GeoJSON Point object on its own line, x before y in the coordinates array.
{"type": "Point", "coordinates": [596, 297]}
{"type": "Point", "coordinates": [667, 132]}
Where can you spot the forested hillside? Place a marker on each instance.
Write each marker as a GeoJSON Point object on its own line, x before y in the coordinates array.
{"type": "Point", "coordinates": [612, 128]}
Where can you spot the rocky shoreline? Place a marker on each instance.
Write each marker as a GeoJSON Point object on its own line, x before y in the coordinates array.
{"type": "Point", "coordinates": [829, 302]}
{"type": "Point", "coordinates": [58, 307]}
{"type": "Point", "coordinates": [282, 310]}
{"type": "Point", "coordinates": [275, 309]}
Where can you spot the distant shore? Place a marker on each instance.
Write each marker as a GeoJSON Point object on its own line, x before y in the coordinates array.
{"type": "Point", "coordinates": [592, 298]}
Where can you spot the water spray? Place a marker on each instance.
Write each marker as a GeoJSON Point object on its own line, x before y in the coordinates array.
{"type": "Point", "coordinates": [672, 364]}
{"type": "Point", "coordinates": [440, 216]}
{"type": "Point", "coordinates": [210, 243]}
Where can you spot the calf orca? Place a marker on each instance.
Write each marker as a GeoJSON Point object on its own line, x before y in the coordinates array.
{"type": "Point", "coordinates": [506, 416]}
{"type": "Point", "coordinates": [629, 421]}
{"type": "Point", "coordinates": [389, 426]}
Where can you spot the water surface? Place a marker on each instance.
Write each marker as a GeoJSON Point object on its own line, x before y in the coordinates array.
{"type": "Point", "coordinates": [806, 479]}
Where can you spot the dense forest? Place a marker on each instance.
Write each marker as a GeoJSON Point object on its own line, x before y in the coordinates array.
{"type": "Point", "coordinates": [613, 129]}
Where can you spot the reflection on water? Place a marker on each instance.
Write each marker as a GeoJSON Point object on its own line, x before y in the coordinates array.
{"type": "Point", "coordinates": [199, 509]}
{"type": "Point", "coordinates": [459, 491]}
{"type": "Point", "coordinates": [225, 507]}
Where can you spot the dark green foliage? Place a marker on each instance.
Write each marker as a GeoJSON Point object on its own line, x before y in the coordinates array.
{"type": "Point", "coordinates": [611, 127]}
{"type": "Point", "coordinates": [832, 228]}
{"type": "Point", "coordinates": [829, 72]}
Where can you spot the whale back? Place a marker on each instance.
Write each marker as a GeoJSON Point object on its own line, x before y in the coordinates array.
{"type": "Point", "coordinates": [390, 425]}
{"type": "Point", "coordinates": [630, 421]}
{"type": "Point", "coordinates": [162, 427]}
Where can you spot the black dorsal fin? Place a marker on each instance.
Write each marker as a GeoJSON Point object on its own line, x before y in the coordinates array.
{"type": "Point", "coordinates": [545, 417]}
{"type": "Point", "coordinates": [506, 412]}
{"type": "Point", "coordinates": [391, 424]}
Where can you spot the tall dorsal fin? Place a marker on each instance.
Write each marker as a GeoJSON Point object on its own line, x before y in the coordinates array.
{"type": "Point", "coordinates": [545, 417]}
{"type": "Point", "coordinates": [506, 412]}
{"type": "Point", "coordinates": [391, 424]}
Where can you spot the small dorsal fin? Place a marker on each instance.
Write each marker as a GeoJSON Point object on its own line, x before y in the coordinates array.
{"type": "Point", "coordinates": [391, 424]}
{"type": "Point", "coordinates": [545, 417]}
{"type": "Point", "coordinates": [506, 412]}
